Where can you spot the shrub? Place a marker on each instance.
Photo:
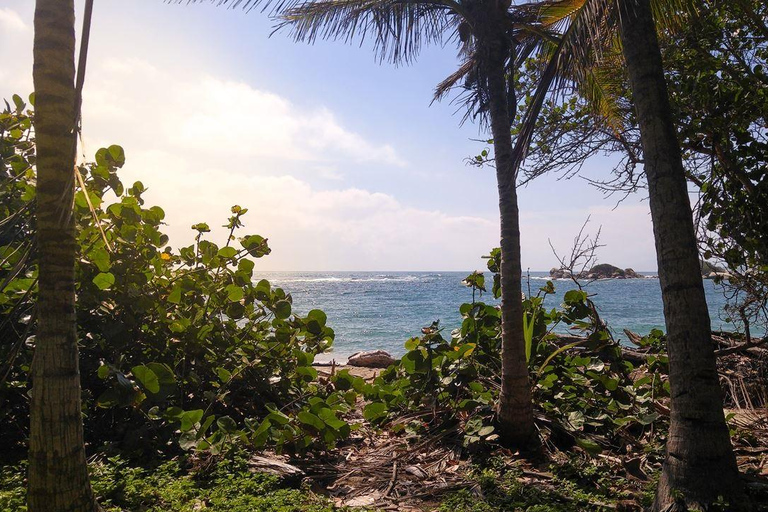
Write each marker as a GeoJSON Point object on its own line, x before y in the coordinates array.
{"type": "Point", "coordinates": [175, 344]}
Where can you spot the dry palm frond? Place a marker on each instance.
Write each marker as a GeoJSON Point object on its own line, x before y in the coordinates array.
{"type": "Point", "coordinates": [446, 85]}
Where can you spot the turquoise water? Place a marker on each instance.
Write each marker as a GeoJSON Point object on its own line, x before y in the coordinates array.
{"type": "Point", "coordinates": [380, 310]}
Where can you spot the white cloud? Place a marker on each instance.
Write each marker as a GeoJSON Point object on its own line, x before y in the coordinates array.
{"type": "Point", "coordinates": [203, 145]}
{"type": "Point", "coordinates": [15, 54]}
{"type": "Point", "coordinates": [10, 20]}
{"type": "Point", "coordinates": [234, 120]}
{"type": "Point", "coordinates": [329, 172]}
{"type": "Point", "coordinates": [310, 229]}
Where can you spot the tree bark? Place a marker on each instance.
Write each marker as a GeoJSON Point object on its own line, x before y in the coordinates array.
{"type": "Point", "coordinates": [700, 465]}
{"type": "Point", "coordinates": [515, 408]}
{"type": "Point", "coordinates": [58, 476]}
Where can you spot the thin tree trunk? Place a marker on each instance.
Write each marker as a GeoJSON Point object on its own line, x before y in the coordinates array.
{"type": "Point", "coordinates": [700, 464]}
{"type": "Point", "coordinates": [515, 406]}
{"type": "Point", "coordinates": [58, 476]}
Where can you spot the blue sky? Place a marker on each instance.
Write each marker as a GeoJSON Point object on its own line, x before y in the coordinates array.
{"type": "Point", "coordinates": [342, 161]}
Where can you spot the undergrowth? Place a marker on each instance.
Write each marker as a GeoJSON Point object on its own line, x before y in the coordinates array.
{"type": "Point", "coordinates": [578, 483]}
{"type": "Point", "coordinates": [174, 486]}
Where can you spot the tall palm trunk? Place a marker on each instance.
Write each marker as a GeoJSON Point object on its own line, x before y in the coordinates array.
{"type": "Point", "coordinates": [515, 406]}
{"type": "Point", "coordinates": [58, 477]}
{"type": "Point", "coordinates": [700, 462]}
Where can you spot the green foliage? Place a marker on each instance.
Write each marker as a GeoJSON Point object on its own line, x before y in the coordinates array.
{"type": "Point", "coordinates": [184, 343]}
{"type": "Point", "coordinates": [715, 67]}
{"type": "Point", "coordinates": [173, 486]}
{"type": "Point", "coordinates": [720, 90]}
{"type": "Point", "coordinates": [13, 491]}
{"type": "Point", "coordinates": [590, 395]}
{"type": "Point", "coordinates": [596, 487]}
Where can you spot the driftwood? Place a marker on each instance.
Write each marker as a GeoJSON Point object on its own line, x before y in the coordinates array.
{"type": "Point", "coordinates": [275, 466]}
{"type": "Point", "coordinates": [633, 337]}
{"type": "Point", "coordinates": [371, 359]}
{"type": "Point", "coordinates": [754, 348]}
{"type": "Point", "coordinates": [633, 356]}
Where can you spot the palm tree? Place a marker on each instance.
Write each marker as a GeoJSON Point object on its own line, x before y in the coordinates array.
{"type": "Point", "coordinates": [700, 461]}
{"type": "Point", "coordinates": [58, 475]}
{"type": "Point", "coordinates": [700, 465]}
{"type": "Point", "coordinates": [495, 38]}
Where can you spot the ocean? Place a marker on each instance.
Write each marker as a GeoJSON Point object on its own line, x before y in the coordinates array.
{"type": "Point", "coordinates": [381, 310]}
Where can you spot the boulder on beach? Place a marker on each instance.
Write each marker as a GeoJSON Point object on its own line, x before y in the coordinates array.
{"type": "Point", "coordinates": [371, 359]}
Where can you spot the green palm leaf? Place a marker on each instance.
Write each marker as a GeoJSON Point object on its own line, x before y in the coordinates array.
{"type": "Point", "coordinates": [398, 28]}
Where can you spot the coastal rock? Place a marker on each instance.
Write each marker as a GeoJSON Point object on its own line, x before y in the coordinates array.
{"type": "Point", "coordinates": [371, 359]}
{"type": "Point", "coordinates": [559, 273]}
{"type": "Point", "coordinates": [602, 271]}
{"type": "Point", "coordinates": [710, 270]}
{"type": "Point", "coordinates": [606, 271]}
{"type": "Point", "coordinates": [718, 275]}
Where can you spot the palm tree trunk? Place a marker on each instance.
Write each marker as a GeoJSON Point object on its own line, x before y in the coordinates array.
{"type": "Point", "coordinates": [58, 476]}
{"type": "Point", "coordinates": [515, 406]}
{"type": "Point", "coordinates": [700, 464]}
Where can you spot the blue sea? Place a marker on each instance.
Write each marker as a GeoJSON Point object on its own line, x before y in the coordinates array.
{"type": "Point", "coordinates": [381, 310]}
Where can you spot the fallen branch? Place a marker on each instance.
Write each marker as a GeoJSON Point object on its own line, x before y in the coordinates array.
{"type": "Point", "coordinates": [744, 347]}
{"type": "Point", "coordinates": [392, 480]}
{"type": "Point", "coordinates": [633, 337]}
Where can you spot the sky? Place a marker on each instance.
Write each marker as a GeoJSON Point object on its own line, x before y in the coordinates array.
{"type": "Point", "coordinates": [343, 162]}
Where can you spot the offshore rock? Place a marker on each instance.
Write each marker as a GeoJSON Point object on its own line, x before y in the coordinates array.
{"type": "Point", "coordinates": [371, 359]}
{"type": "Point", "coordinates": [602, 271]}
{"type": "Point", "coordinates": [559, 273]}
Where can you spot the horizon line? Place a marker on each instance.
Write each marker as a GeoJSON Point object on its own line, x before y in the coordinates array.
{"type": "Point", "coordinates": [420, 271]}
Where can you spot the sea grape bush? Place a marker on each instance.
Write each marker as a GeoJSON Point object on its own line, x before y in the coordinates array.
{"type": "Point", "coordinates": [183, 345]}
{"type": "Point", "coordinates": [186, 347]}
{"type": "Point", "coordinates": [587, 393]}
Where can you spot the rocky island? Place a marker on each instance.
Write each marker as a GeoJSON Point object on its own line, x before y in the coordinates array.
{"type": "Point", "coordinates": [712, 271]}
{"type": "Point", "coordinates": [601, 271]}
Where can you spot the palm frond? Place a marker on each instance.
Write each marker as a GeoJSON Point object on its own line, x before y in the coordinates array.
{"type": "Point", "coordinates": [602, 88]}
{"type": "Point", "coordinates": [446, 85]}
{"type": "Point", "coordinates": [673, 15]}
{"type": "Point", "coordinates": [571, 58]}
{"type": "Point", "coordinates": [247, 5]}
{"type": "Point", "coordinates": [534, 39]}
{"type": "Point", "coordinates": [553, 12]}
{"type": "Point", "coordinates": [397, 28]}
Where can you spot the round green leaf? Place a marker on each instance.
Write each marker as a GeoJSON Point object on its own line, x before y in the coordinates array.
{"type": "Point", "coordinates": [104, 280]}
{"type": "Point", "coordinates": [147, 377]}
{"type": "Point", "coordinates": [226, 424]}
{"type": "Point", "coordinates": [227, 252]}
{"type": "Point", "coordinates": [308, 418]}
{"type": "Point", "coordinates": [374, 411]}
{"type": "Point", "coordinates": [282, 309]}
{"type": "Point", "coordinates": [234, 293]}
{"type": "Point", "coordinates": [100, 258]}
{"type": "Point", "coordinates": [318, 316]}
